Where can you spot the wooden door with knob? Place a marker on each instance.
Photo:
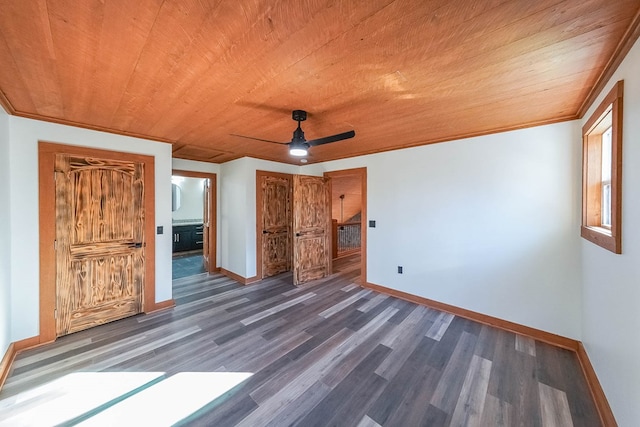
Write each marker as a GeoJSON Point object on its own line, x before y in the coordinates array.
{"type": "Point", "coordinates": [275, 227]}
{"type": "Point", "coordinates": [100, 241]}
{"type": "Point", "coordinates": [311, 228]}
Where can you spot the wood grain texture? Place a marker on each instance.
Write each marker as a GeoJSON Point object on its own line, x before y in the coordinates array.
{"type": "Point", "coordinates": [163, 305]}
{"type": "Point", "coordinates": [208, 196]}
{"type": "Point", "coordinates": [471, 403]}
{"type": "Point", "coordinates": [597, 393]}
{"type": "Point", "coordinates": [624, 46]}
{"type": "Point", "coordinates": [361, 173]}
{"type": "Point", "coordinates": [276, 192]}
{"type": "Point", "coordinates": [6, 363]}
{"type": "Point", "coordinates": [591, 172]}
{"type": "Point", "coordinates": [238, 278]}
{"type": "Point", "coordinates": [554, 407]}
{"type": "Point", "coordinates": [192, 73]}
{"type": "Point", "coordinates": [308, 370]}
{"type": "Point", "coordinates": [271, 182]}
{"type": "Point", "coordinates": [47, 209]}
{"type": "Point", "coordinates": [311, 228]}
{"type": "Point", "coordinates": [350, 187]}
{"type": "Point", "coordinates": [526, 345]}
{"type": "Point", "coordinates": [100, 241]}
{"type": "Point", "coordinates": [537, 334]}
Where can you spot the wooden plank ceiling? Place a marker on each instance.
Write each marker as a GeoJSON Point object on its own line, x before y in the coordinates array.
{"type": "Point", "coordinates": [399, 72]}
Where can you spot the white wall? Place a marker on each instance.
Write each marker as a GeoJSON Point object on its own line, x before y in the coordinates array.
{"type": "Point", "coordinates": [489, 224]}
{"type": "Point", "coordinates": [238, 212]}
{"type": "Point", "coordinates": [611, 290]}
{"type": "Point", "coordinates": [191, 199]}
{"type": "Point", "coordinates": [23, 206]}
{"type": "Point", "coordinates": [5, 236]}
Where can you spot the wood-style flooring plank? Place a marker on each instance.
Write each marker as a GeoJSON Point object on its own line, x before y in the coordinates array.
{"type": "Point", "coordinates": [554, 407]}
{"type": "Point", "coordinates": [497, 412]}
{"type": "Point", "coordinates": [404, 342]}
{"type": "Point", "coordinates": [526, 345]}
{"type": "Point", "coordinates": [367, 422]}
{"type": "Point", "coordinates": [301, 406]}
{"type": "Point", "coordinates": [409, 377]}
{"type": "Point", "coordinates": [344, 303]}
{"type": "Point", "coordinates": [449, 388]}
{"type": "Point", "coordinates": [354, 391]}
{"type": "Point", "coordinates": [280, 380]}
{"type": "Point", "coordinates": [468, 411]}
{"type": "Point", "coordinates": [278, 402]}
{"type": "Point", "coordinates": [439, 327]}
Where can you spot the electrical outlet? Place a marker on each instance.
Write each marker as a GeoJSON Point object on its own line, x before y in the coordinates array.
{"type": "Point", "coordinates": [399, 269]}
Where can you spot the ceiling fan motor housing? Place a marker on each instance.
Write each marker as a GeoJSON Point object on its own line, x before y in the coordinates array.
{"type": "Point", "coordinates": [299, 115]}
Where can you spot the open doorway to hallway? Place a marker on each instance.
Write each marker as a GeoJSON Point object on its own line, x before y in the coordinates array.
{"type": "Point", "coordinates": [348, 217]}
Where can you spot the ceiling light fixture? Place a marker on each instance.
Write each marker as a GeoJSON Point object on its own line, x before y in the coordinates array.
{"type": "Point", "coordinates": [298, 148]}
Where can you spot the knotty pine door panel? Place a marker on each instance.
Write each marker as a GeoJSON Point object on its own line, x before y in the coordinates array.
{"type": "Point", "coordinates": [99, 241]}
{"type": "Point", "coordinates": [311, 228]}
{"type": "Point", "coordinates": [276, 224]}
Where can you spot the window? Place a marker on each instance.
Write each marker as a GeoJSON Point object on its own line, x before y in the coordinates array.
{"type": "Point", "coordinates": [606, 179]}
{"type": "Point", "coordinates": [602, 173]}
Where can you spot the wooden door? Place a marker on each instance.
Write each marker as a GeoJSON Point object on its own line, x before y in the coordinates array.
{"type": "Point", "coordinates": [311, 228]}
{"type": "Point", "coordinates": [276, 224]}
{"type": "Point", "coordinates": [100, 241]}
{"type": "Point", "coordinates": [206, 215]}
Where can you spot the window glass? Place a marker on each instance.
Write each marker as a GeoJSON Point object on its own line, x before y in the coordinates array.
{"type": "Point", "coordinates": [606, 178]}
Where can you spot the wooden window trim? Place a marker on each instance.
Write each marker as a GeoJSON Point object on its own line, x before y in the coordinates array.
{"type": "Point", "coordinates": [610, 239]}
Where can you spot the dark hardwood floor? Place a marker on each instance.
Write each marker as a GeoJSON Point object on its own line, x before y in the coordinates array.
{"type": "Point", "coordinates": [326, 353]}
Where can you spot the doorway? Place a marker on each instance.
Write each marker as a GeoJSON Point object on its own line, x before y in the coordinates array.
{"type": "Point", "coordinates": [278, 240]}
{"type": "Point", "coordinates": [193, 206]}
{"type": "Point", "coordinates": [293, 227]}
{"type": "Point", "coordinates": [274, 236]}
{"type": "Point", "coordinates": [96, 217]}
{"type": "Point", "coordinates": [349, 216]}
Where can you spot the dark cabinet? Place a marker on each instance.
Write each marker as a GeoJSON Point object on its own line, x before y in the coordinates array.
{"type": "Point", "coordinates": [198, 236]}
{"type": "Point", "coordinates": [187, 237]}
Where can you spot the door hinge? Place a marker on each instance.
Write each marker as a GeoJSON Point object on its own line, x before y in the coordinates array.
{"type": "Point", "coordinates": [55, 245]}
{"type": "Point", "coordinates": [55, 313]}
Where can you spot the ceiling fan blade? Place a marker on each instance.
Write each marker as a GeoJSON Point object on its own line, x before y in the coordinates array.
{"type": "Point", "coordinates": [259, 139]}
{"type": "Point", "coordinates": [333, 138]}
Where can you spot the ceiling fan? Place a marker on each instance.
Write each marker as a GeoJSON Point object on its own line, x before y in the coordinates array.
{"type": "Point", "coordinates": [299, 146]}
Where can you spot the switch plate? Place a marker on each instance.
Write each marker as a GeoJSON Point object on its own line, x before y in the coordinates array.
{"type": "Point", "coordinates": [160, 229]}
{"type": "Point", "coordinates": [399, 269]}
{"type": "Point", "coordinates": [372, 224]}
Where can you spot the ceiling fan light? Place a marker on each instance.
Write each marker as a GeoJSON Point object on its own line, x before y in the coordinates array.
{"type": "Point", "coordinates": [298, 148]}
{"type": "Point", "coordinates": [298, 151]}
